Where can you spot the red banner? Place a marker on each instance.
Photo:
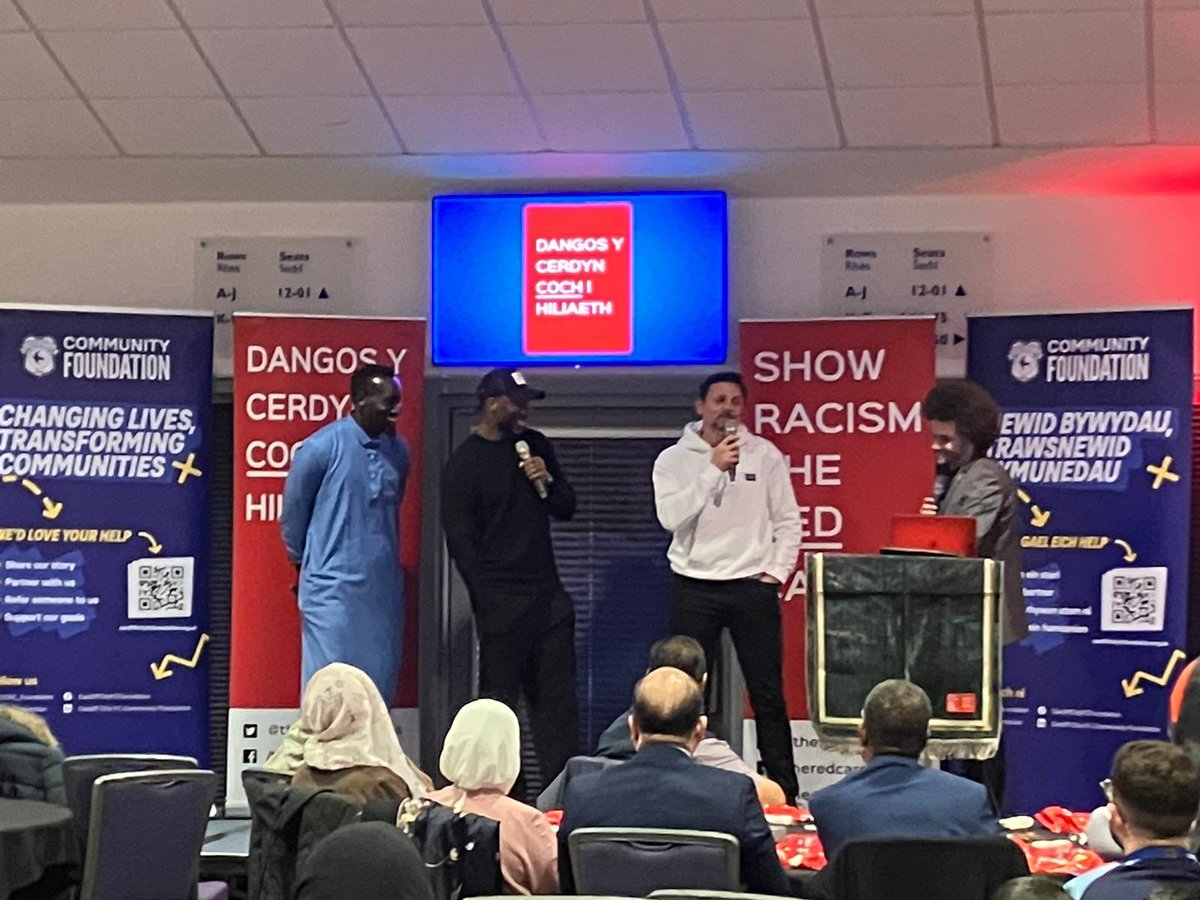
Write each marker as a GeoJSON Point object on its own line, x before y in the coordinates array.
{"type": "Point", "coordinates": [292, 376]}
{"type": "Point", "coordinates": [841, 398]}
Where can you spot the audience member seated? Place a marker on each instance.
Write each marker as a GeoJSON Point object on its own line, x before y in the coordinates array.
{"type": "Point", "coordinates": [664, 787]}
{"type": "Point", "coordinates": [30, 758]}
{"type": "Point", "coordinates": [482, 758]}
{"type": "Point", "coordinates": [346, 740]}
{"type": "Point", "coordinates": [1154, 795]}
{"type": "Point", "coordinates": [686, 654]}
{"type": "Point", "coordinates": [893, 795]}
{"type": "Point", "coordinates": [1031, 887]}
{"type": "Point", "coordinates": [364, 861]}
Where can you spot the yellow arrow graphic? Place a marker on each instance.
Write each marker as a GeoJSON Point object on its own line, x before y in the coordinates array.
{"type": "Point", "coordinates": [1130, 686]}
{"type": "Point", "coordinates": [160, 669]}
{"type": "Point", "coordinates": [1037, 516]}
{"type": "Point", "coordinates": [50, 509]}
{"type": "Point", "coordinates": [1130, 553]}
{"type": "Point", "coordinates": [155, 546]}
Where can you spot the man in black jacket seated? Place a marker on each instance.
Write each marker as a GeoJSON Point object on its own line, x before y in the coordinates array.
{"type": "Point", "coordinates": [685, 653]}
{"type": "Point", "coordinates": [663, 787]}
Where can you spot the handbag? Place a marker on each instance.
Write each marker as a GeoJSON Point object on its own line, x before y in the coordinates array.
{"type": "Point", "coordinates": [461, 850]}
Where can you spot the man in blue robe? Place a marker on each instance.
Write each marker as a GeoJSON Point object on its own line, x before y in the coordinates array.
{"type": "Point", "coordinates": [340, 525]}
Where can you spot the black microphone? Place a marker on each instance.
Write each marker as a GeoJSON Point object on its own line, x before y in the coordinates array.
{"type": "Point", "coordinates": [731, 427]}
{"type": "Point", "coordinates": [941, 483]}
{"type": "Point", "coordinates": [523, 452]}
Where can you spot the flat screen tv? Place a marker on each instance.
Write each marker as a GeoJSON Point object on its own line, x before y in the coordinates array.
{"type": "Point", "coordinates": [579, 279]}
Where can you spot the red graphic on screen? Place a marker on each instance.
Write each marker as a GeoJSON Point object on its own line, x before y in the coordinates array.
{"type": "Point", "coordinates": [578, 295]}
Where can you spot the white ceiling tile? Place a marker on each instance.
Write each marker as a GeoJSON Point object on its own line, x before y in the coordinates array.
{"type": "Point", "coordinates": [51, 128]}
{"type": "Point", "coordinates": [1036, 115]}
{"type": "Point", "coordinates": [908, 52]}
{"type": "Point", "coordinates": [1177, 46]}
{"type": "Point", "coordinates": [254, 13]}
{"type": "Point", "coordinates": [565, 59]}
{"type": "Point", "coordinates": [10, 19]}
{"type": "Point", "coordinates": [464, 124]}
{"type": "Point", "coordinates": [429, 60]}
{"type": "Point", "coordinates": [133, 63]}
{"type": "Point", "coordinates": [283, 62]}
{"type": "Point", "coordinates": [1067, 48]}
{"type": "Point", "coordinates": [27, 72]}
{"type": "Point", "coordinates": [830, 9]}
{"type": "Point", "coordinates": [915, 117]}
{"type": "Point", "coordinates": [99, 15]}
{"type": "Point", "coordinates": [410, 12]}
{"type": "Point", "coordinates": [761, 120]}
{"type": "Point", "coordinates": [548, 12]}
{"type": "Point", "coordinates": [709, 56]}
{"type": "Point", "coordinates": [319, 126]}
{"type": "Point", "coordinates": [176, 127]}
{"type": "Point", "coordinates": [993, 6]}
{"type": "Point", "coordinates": [700, 10]}
{"type": "Point", "coordinates": [1177, 110]}
{"type": "Point", "coordinates": [611, 123]}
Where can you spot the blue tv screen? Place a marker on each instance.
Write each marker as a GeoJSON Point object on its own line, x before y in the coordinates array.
{"type": "Point", "coordinates": [566, 279]}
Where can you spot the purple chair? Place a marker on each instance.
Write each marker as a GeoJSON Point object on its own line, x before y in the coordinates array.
{"type": "Point", "coordinates": [634, 862]}
{"type": "Point", "coordinates": [81, 772]}
{"type": "Point", "coordinates": [145, 836]}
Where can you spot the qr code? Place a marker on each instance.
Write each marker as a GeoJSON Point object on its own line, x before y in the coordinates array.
{"type": "Point", "coordinates": [160, 588]}
{"type": "Point", "coordinates": [1133, 599]}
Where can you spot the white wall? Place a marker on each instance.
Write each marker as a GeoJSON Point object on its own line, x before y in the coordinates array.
{"type": "Point", "coordinates": [1051, 252]}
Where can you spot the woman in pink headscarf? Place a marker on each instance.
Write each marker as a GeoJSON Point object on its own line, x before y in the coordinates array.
{"type": "Point", "coordinates": [348, 742]}
{"type": "Point", "coordinates": [482, 757]}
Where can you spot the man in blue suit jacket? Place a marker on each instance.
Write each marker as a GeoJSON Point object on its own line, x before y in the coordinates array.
{"type": "Point", "coordinates": [663, 787]}
{"type": "Point", "coordinates": [894, 795]}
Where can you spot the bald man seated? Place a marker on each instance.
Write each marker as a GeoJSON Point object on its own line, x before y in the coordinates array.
{"type": "Point", "coordinates": [662, 786]}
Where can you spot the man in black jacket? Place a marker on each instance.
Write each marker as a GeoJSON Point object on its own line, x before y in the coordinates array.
{"type": "Point", "coordinates": [664, 787]}
{"type": "Point", "coordinates": [500, 489]}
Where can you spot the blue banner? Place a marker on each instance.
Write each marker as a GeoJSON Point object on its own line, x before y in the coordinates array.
{"type": "Point", "coordinates": [104, 528]}
{"type": "Point", "coordinates": [1096, 432]}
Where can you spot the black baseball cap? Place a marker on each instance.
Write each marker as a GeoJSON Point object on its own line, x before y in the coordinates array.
{"type": "Point", "coordinates": [507, 383]}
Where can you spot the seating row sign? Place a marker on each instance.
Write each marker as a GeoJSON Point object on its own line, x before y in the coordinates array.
{"type": "Point", "coordinates": [943, 274]}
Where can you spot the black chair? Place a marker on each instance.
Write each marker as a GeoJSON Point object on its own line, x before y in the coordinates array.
{"type": "Point", "coordinates": [81, 772]}
{"type": "Point", "coordinates": [634, 862]}
{"type": "Point", "coordinates": [923, 868]}
{"type": "Point", "coordinates": [145, 836]}
{"type": "Point", "coordinates": [681, 894]}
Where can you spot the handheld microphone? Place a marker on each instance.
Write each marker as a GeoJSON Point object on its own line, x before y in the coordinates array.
{"type": "Point", "coordinates": [941, 482]}
{"type": "Point", "coordinates": [731, 428]}
{"type": "Point", "coordinates": [523, 452]}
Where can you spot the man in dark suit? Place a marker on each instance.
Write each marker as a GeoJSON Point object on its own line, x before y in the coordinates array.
{"type": "Point", "coordinates": [663, 787]}
{"type": "Point", "coordinates": [893, 795]}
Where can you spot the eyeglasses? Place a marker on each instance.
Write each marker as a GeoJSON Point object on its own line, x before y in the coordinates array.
{"type": "Point", "coordinates": [1107, 786]}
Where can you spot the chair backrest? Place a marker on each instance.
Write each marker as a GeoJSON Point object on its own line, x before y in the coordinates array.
{"type": "Point", "coordinates": [681, 894]}
{"type": "Point", "coordinates": [633, 862]}
{"type": "Point", "coordinates": [81, 772]}
{"type": "Point", "coordinates": [925, 868]}
{"type": "Point", "coordinates": [146, 832]}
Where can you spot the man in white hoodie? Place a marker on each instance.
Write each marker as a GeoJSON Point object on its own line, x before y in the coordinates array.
{"type": "Point", "coordinates": [726, 497]}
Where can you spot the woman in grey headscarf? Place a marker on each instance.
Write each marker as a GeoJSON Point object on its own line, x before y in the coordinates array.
{"type": "Point", "coordinates": [482, 757]}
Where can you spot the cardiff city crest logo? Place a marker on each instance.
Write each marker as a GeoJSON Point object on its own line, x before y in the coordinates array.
{"type": "Point", "coordinates": [1026, 359]}
{"type": "Point", "coordinates": [39, 353]}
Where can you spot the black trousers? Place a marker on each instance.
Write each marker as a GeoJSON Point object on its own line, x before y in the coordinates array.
{"type": "Point", "coordinates": [537, 658]}
{"type": "Point", "coordinates": [750, 610]}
